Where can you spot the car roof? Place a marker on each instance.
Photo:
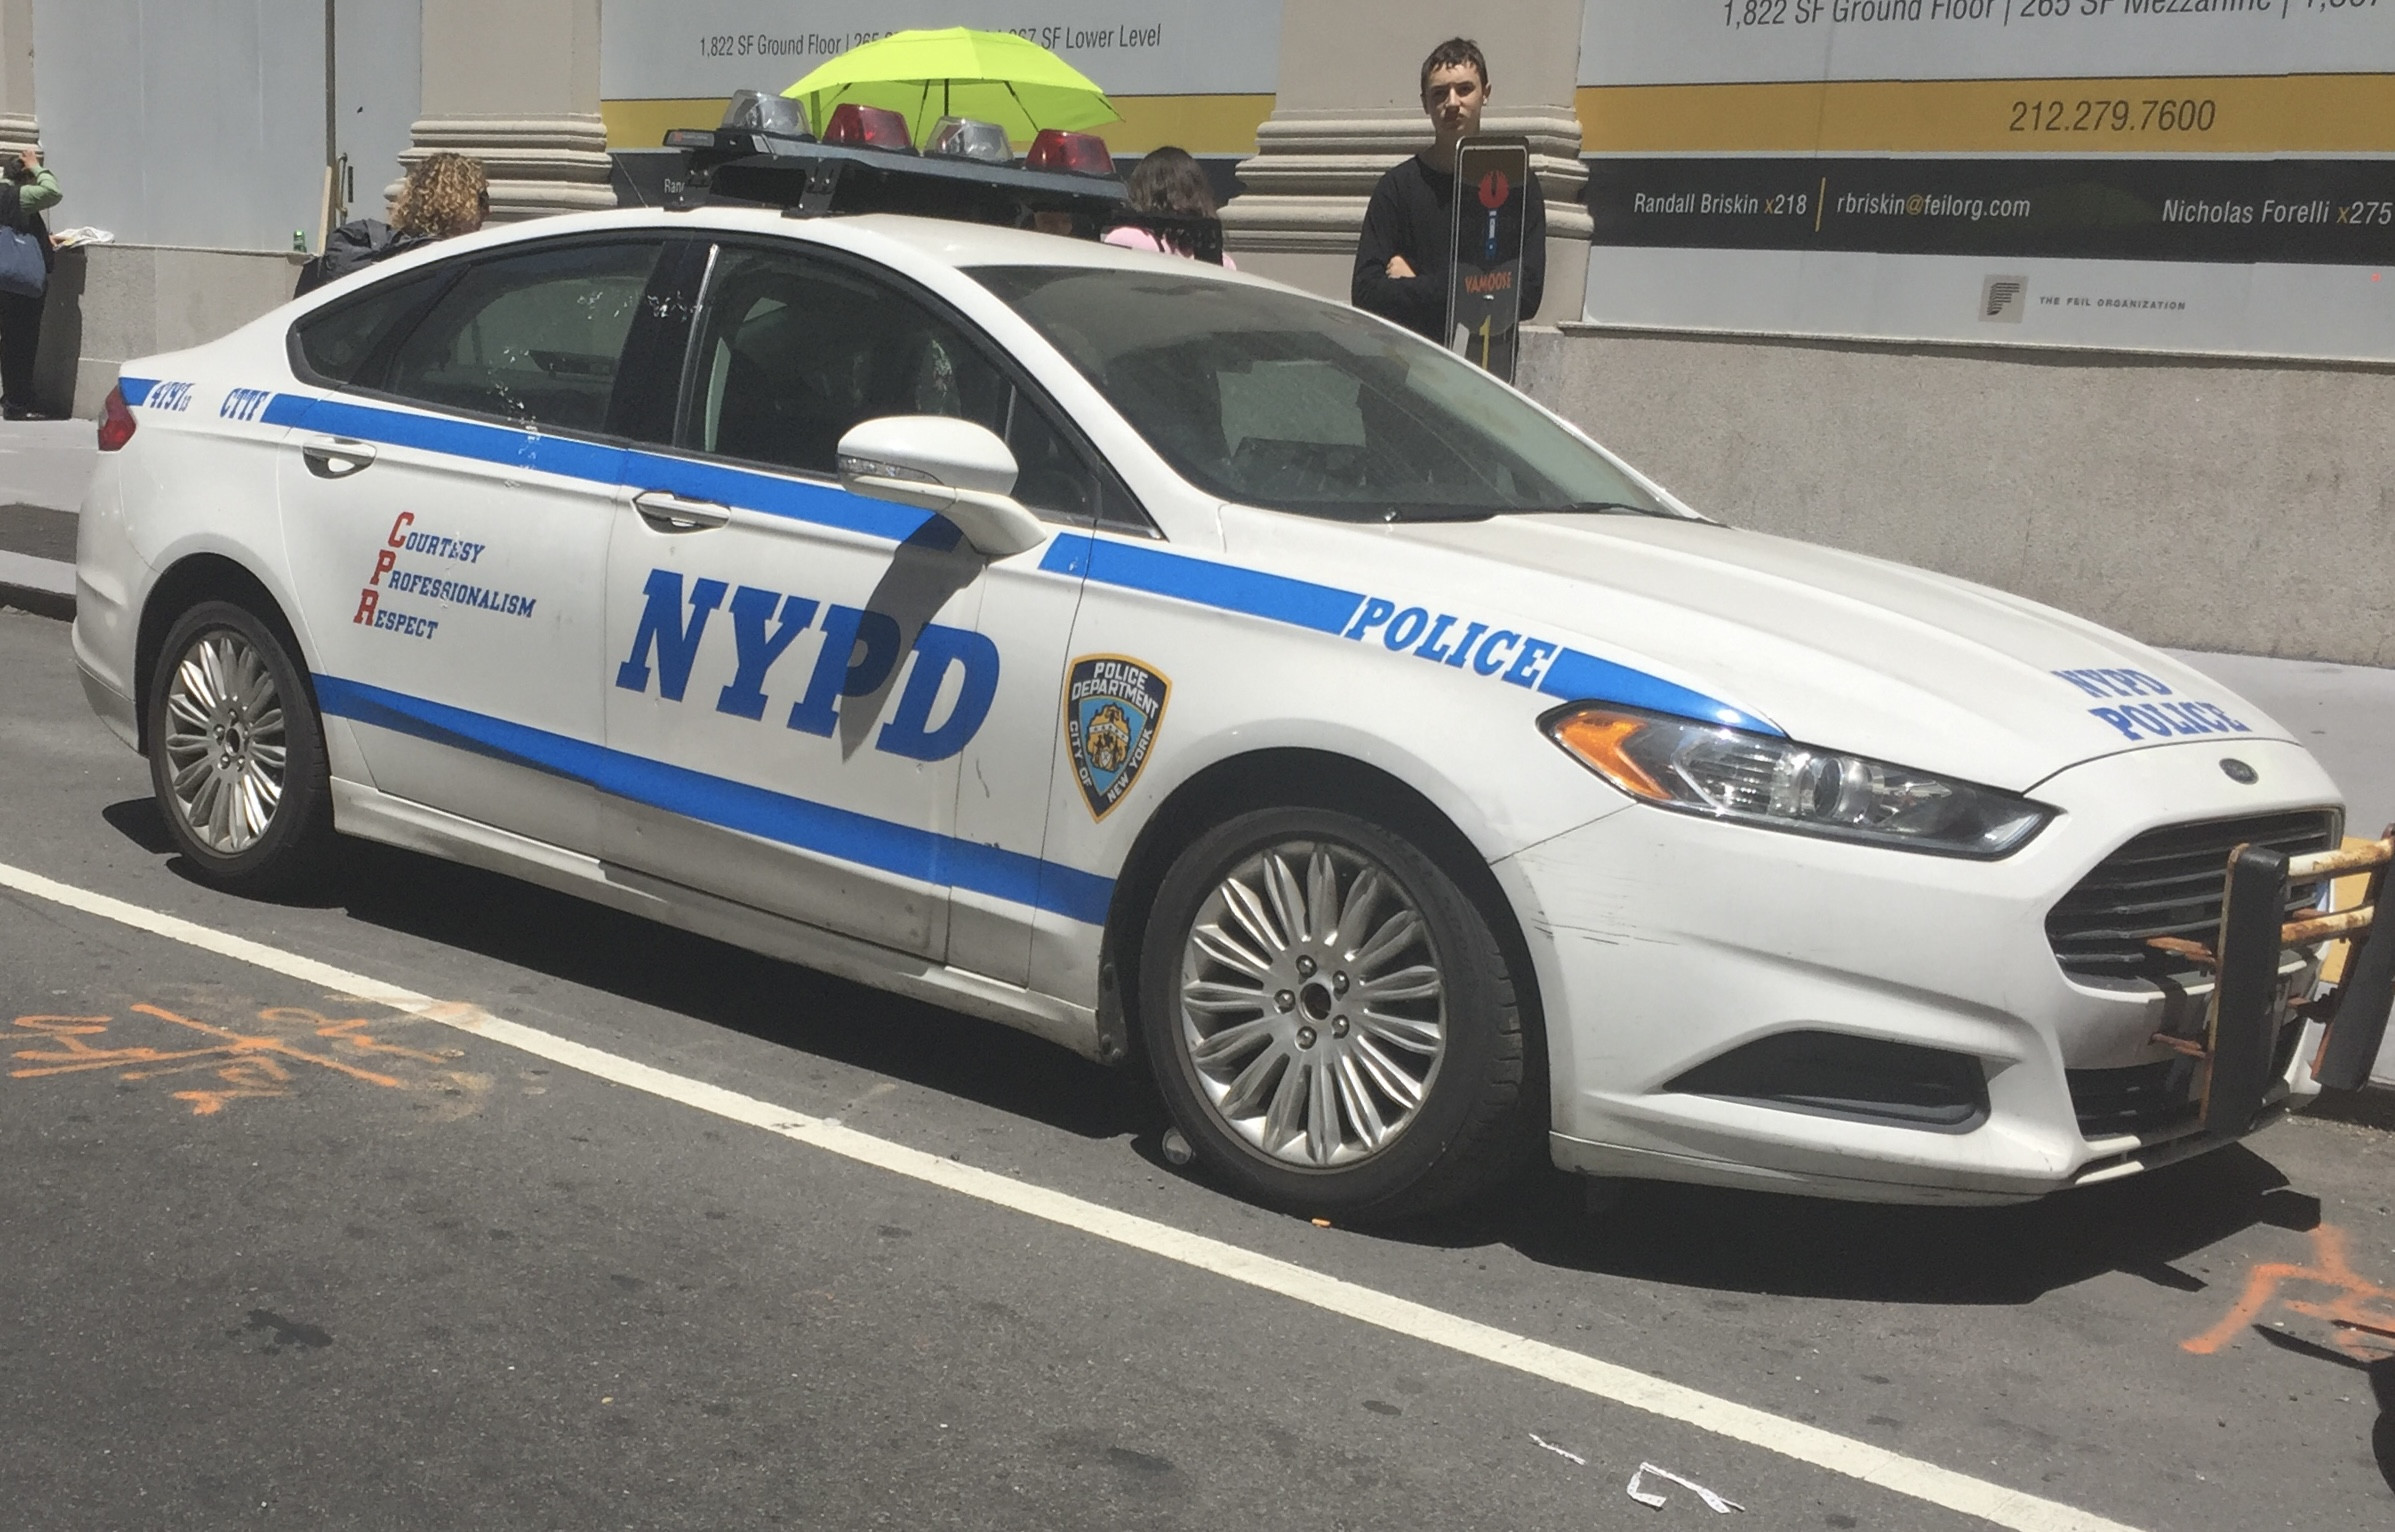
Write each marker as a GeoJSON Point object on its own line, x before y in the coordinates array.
{"type": "Point", "coordinates": [948, 242]}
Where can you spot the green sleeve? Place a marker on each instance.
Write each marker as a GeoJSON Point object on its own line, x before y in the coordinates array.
{"type": "Point", "coordinates": [41, 193]}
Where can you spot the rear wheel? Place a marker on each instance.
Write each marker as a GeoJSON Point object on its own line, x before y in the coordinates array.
{"type": "Point", "coordinates": [1330, 1018]}
{"type": "Point", "coordinates": [237, 753]}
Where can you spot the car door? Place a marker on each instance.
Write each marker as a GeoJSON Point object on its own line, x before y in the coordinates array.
{"type": "Point", "coordinates": [447, 508]}
{"type": "Point", "coordinates": [799, 680]}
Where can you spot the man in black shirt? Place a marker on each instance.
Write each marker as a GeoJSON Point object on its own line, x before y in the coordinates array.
{"type": "Point", "coordinates": [1401, 262]}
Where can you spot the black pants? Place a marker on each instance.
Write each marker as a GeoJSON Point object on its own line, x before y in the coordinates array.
{"type": "Point", "coordinates": [20, 339]}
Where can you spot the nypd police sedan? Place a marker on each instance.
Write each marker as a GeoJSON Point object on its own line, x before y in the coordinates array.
{"type": "Point", "coordinates": [1191, 672]}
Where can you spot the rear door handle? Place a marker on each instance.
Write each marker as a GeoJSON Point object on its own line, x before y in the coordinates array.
{"type": "Point", "coordinates": [336, 457]}
{"type": "Point", "coordinates": [669, 512]}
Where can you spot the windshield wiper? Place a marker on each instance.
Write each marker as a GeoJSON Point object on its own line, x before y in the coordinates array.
{"type": "Point", "coordinates": [1607, 508]}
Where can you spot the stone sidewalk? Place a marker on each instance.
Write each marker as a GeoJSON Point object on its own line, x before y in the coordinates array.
{"type": "Point", "coordinates": [44, 466]}
{"type": "Point", "coordinates": [2345, 713]}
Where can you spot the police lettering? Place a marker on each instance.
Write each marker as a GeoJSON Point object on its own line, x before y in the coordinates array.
{"type": "Point", "coordinates": [1414, 630]}
{"type": "Point", "coordinates": [858, 654]}
{"type": "Point", "coordinates": [2163, 720]}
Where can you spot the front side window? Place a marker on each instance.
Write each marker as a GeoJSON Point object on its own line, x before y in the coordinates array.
{"type": "Point", "coordinates": [533, 338]}
{"type": "Point", "coordinates": [1272, 399]}
{"type": "Point", "coordinates": [794, 352]}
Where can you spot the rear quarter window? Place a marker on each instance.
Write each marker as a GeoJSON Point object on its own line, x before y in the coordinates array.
{"type": "Point", "coordinates": [333, 344]}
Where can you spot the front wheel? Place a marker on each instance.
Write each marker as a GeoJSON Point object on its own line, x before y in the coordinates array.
{"type": "Point", "coordinates": [1330, 1018]}
{"type": "Point", "coordinates": [237, 754]}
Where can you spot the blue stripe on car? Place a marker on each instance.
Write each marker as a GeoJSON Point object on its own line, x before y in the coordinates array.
{"type": "Point", "coordinates": [906, 850]}
{"type": "Point", "coordinates": [1573, 676]}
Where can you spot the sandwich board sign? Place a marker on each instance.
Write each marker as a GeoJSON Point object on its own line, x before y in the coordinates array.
{"type": "Point", "coordinates": [1484, 284]}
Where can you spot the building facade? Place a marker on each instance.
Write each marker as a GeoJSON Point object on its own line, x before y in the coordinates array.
{"type": "Point", "coordinates": [2092, 300]}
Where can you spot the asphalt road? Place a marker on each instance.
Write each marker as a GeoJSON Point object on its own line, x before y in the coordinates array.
{"type": "Point", "coordinates": [275, 1257]}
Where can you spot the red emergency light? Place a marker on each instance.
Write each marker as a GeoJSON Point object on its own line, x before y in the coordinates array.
{"type": "Point", "coordinates": [1082, 154]}
{"type": "Point", "coordinates": [867, 127]}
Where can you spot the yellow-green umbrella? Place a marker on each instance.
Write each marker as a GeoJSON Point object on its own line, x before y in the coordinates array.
{"type": "Point", "coordinates": [925, 75]}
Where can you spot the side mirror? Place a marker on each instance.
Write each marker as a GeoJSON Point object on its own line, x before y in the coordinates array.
{"type": "Point", "coordinates": [953, 467]}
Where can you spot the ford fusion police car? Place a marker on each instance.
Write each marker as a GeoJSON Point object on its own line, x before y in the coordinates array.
{"type": "Point", "coordinates": [1183, 669]}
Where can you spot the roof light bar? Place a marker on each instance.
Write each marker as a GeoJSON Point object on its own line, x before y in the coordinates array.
{"type": "Point", "coordinates": [1082, 154]}
{"type": "Point", "coordinates": [967, 138]}
{"type": "Point", "coordinates": [867, 127]}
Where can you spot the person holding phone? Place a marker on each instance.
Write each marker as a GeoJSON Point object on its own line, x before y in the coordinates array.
{"type": "Point", "coordinates": [29, 190]}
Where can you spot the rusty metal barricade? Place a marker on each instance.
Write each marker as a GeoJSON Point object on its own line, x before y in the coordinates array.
{"type": "Point", "coordinates": [2239, 1049]}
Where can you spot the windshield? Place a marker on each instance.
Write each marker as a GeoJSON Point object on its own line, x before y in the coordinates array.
{"type": "Point", "coordinates": [1273, 399]}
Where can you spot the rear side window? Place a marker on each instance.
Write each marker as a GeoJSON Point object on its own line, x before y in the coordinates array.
{"type": "Point", "coordinates": [335, 342]}
{"type": "Point", "coordinates": [533, 338]}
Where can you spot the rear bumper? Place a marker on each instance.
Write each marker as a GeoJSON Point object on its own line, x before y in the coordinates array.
{"type": "Point", "coordinates": [1665, 941]}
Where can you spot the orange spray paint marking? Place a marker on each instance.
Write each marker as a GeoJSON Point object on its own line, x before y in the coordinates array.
{"type": "Point", "coordinates": [246, 1066]}
{"type": "Point", "coordinates": [2359, 1309]}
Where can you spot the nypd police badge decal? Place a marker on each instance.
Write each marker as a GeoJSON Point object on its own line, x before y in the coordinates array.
{"type": "Point", "coordinates": [1112, 706]}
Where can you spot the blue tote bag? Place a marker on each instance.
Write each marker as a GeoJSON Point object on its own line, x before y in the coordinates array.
{"type": "Point", "coordinates": [22, 271]}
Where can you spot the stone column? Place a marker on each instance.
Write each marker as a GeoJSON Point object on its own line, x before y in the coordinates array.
{"type": "Point", "coordinates": [17, 127]}
{"type": "Point", "coordinates": [515, 84]}
{"type": "Point", "coordinates": [1349, 108]}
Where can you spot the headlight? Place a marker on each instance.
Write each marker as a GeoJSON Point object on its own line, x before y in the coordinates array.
{"type": "Point", "coordinates": [1776, 784]}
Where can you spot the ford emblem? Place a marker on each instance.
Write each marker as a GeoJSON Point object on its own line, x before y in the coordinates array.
{"type": "Point", "coordinates": [2238, 771]}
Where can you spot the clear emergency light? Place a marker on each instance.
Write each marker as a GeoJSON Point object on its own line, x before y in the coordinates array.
{"type": "Point", "coordinates": [967, 138]}
{"type": "Point", "coordinates": [766, 112]}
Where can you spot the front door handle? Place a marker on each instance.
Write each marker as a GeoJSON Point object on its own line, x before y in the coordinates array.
{"type": "Point", "coordinates": [336, 457]}
{"type": "Point", "coordinates": [669, 512]}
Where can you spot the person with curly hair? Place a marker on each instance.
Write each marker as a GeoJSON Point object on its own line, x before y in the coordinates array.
{"type": "Point", "coordinates": [444, 195]}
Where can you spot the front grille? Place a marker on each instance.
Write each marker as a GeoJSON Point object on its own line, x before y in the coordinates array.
{"type": "Point", "coordinates": [2142, 1099]}
{"type": "Point", "coordinates": [2167, 882]}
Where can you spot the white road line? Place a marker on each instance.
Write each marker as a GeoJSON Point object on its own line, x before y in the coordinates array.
{"type": "Point", "coordinates": [1603, 1380]}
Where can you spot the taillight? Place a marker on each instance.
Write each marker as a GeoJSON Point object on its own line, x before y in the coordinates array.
{"type": "Point", "coordinates": [867, 127]}
{"type": "Point", "coordinates": [1084, 154]}
{"type": "Point", "coordinates": [116, 422]}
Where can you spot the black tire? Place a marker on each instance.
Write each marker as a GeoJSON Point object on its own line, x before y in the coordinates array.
{"type": "Point", "coordinates": [1470, 1124]}
{"type": "Point", "coordinates": [255, 848]}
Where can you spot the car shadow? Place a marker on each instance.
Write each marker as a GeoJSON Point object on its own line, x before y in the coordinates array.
{"type": "Point", "coordinates": [1756, 1242]}
{"type": "Point", "coordinates": [1688, 1236]}
{"type": "Point", "coordinates": [726, 986]}
{"type": "Point", "coordinates": [640, 960]}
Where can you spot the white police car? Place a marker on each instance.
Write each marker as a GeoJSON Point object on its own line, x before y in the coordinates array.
{"type": "Point", "coordinates": [1172, 664]}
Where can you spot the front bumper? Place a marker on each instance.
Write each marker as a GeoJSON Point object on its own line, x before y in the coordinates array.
{"type": "Point", "coordinates": [1664, 941]}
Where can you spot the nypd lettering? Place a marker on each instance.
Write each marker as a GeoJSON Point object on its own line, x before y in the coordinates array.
{"type": "Point", "coordinates": [858, 653]}
{"type": "Point", "coordinates": [2150, 720]}
{"type": "Point", "coordinates": [1447, 640]}
{"type": "Point", "coordinates": [1112, 707]}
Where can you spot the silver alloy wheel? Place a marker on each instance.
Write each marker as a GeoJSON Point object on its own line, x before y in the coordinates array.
{"type": "Point", "coordinates": [224, 743]}
{"type": "Point", "coordinates": [1313, 1006]}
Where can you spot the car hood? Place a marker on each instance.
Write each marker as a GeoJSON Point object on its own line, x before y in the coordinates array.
{"type": "Point", "coordinates": [1835, 649]}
